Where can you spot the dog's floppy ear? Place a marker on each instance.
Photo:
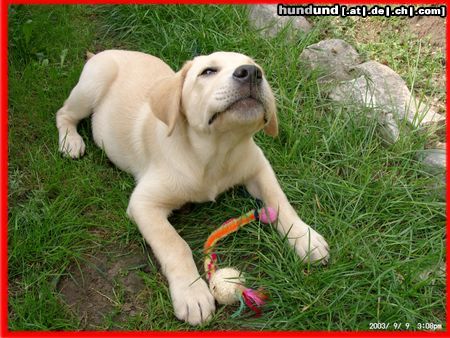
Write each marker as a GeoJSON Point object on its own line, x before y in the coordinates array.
{"type": "Point", "coordinates": [165, 97]}
{"type": "Point", "coordinates": [271, 128]}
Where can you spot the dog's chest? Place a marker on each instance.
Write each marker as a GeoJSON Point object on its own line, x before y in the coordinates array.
{"type": "Point", "coordinates": [205, 183]}
{"type": "Point", "coordinates": [210, 183]}
{"type": "Point", "coordinates": [207, 172]}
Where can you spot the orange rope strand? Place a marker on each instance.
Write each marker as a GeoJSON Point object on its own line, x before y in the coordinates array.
{"type": "Point", "coordinates": [227, 228]}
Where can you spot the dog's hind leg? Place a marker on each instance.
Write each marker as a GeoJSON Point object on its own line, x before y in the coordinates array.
{"type": "Point", "coordinates": [96, 77]}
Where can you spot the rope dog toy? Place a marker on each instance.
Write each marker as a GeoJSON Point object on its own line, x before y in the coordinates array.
{"type": "Point", "coordinates": [227, 284]}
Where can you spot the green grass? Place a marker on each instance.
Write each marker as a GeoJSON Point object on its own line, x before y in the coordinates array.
{"type": "Point", "coordinates": [372, 202]}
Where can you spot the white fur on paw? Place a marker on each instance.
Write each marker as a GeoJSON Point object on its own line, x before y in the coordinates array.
{"type": "Point", "coordinates": [309, 244]}
{"type": "Point", "coordinates": [72, 145]}
{"type": "Point", "coordinates": [192, 301]}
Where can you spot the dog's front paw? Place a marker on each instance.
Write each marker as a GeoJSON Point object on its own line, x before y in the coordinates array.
{"type": "Point", "coordinates": [309, 244]}
{"type": "Point", "coordinates": [192, 301]}
{"type": "Point", "coordinates": [72, 145]}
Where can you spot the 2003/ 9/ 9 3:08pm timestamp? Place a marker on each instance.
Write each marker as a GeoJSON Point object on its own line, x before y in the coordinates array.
{"type": "Point", "coordinates": [405, 326]}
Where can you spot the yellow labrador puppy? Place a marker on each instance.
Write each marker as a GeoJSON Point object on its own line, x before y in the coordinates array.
{"type": "Point", "coordinates": [186, 137]}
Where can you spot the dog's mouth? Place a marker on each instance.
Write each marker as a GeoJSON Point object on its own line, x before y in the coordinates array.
{"type": "Point", "coordinates": [242, 104]}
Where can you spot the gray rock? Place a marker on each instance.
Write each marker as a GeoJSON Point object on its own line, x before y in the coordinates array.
{"type": "Point", "coordinates": [371, 85]}
{"type": "Point", "coordinates": [378, 87]}
{"type": "Point", "coordinates": [423, 115]}
{"type": "Point", "coordinates": [265, 18]}
{"type": "Point", "coordinates": [388, 128]}
{"type": "Point", "coordinates": [434, 160]}
{"type": "Point", "coordinates": [333, 58]}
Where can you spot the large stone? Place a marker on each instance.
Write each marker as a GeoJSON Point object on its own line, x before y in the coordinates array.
{"type": "Point", "coordinates": [371, 86]}
{"type": "Point", "coordinates": [265, 18]}
{"type": "Point", "coordinates": [333, 59]}
{"type": "Point", "coordinates": [378, 87]}
{"type": "Point", "coordinates": [389, 129]}
{"type": "Point", "coordinates": [434, 160]}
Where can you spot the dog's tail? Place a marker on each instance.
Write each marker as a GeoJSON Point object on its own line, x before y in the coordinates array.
{"type": "Point", "coordinates": [89, 55]}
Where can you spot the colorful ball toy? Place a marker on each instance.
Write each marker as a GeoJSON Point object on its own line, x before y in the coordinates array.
{"type": "Point", "coordinates": [227, 284]}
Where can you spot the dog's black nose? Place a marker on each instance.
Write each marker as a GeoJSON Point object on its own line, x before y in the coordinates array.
{"type": "Point", "coordinates": [248, 74]}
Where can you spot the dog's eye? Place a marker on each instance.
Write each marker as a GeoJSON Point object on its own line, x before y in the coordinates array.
{"type": "Point", "coordinates": [208, 71]}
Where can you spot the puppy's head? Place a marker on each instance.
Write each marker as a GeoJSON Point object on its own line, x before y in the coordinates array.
{"type": "Point", "coordinates": [224, 92]}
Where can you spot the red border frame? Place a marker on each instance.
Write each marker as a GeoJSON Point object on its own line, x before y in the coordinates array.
{"type": "Point", "coordinates": [4, 169]}
{"type": "Point", "coordinates": [4, 190]}
{"type": "Point", "coordinates": [223, 334]}
{"type": "Point", "coordinates": [194, 2]}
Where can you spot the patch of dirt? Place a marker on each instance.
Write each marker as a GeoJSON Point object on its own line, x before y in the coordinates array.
{"type": "Point", "coordinates": [106, 284]}
{"type": "Point", "coordinates": [367, 31]}
{"type": "Point", "coordinates": [430, 27]}
{"type": "Point", "coordinates": [434, 29]}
